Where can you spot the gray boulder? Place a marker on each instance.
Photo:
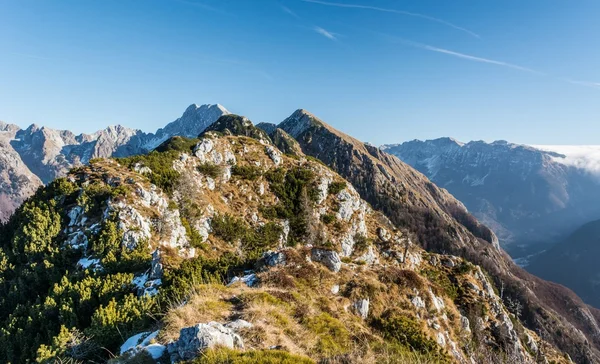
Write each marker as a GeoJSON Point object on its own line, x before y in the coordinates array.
{"type": "Point", "coordinates": [361, 307]}
{"type": "Point", "coordinates": [273, 259]}
{"type": "Point", "coordinates": [193, 340]}
{"type": "Point", "coordinates": [156, 270]}
{"type": "Point", "coordinates": [328, 258]}
{"type": "Point", "coordinates": [383, 234]}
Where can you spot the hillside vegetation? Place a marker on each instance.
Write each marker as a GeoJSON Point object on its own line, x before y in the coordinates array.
{"type": "Point", "coordinates": [224, 249]}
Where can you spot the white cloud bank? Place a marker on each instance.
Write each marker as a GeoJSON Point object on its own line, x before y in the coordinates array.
{"type": "Point", "coordinates": [585, 157]}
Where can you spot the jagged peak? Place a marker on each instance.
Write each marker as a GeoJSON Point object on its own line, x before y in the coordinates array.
{"type": "Point", "coordinates": [33, 128]}
{"type": "Point", "coordinates": [298, 122]}
{"type": "Point", "coordinates": [450, 141]}
{"type": "Point", "coordinates": [8, 127]}
{"type": "Point", "coordinates": [193, 108]}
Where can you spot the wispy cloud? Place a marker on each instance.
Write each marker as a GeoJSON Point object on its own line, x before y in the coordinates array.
{"type": "Point", "coordinates": [468, 56]}
{"type": "Point", "coordinates": [325, 33]}
{"type": "Point", "coordinates": [394, 11]}
{"type": "Point", "coordinates": [289, 11]}
{"type": "Point", "coordinates": [583, 83]}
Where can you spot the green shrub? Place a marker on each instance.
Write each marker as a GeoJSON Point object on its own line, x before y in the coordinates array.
{"type": "Point", "coordinates": [265, 237]}
{"type": "Point", "coordinates": [406, 331]}
{"type": "Point", "coordinates": [328, 218]}
{"type": "Point", "coordinates": [336, 187]}
{"type": "Point", "coordinates": [465, 267]}
{"type": "Point", "coordinates": [442, 280]}
{"type": "Point", "coordinates": [179, 281]}
{"type": "Point", "coordinates": [62, 187]}
{"type": "Point", "coordinates": [120, 191]}
{"type": "Point", "coordinates": [112, 322]}
{"type": "Point", "coordinates": [210, 169]}
{"type": "Point", "coordinates": [254, 242]}
{"type": "Point", "coordinates": [229, 228]}
{"type": "Point", "coordinates": [114, 256]}
{"type": "Point", "coordinates": [297, 193]}
{"type": "Point", "coordinates": [94, 197]}
{"type": "Point", "coordinates": [46, 303]}
{"type": "Point", "coordinates": [332, 336]}
{"type": "Point", "coordinates": [193, 235]}
{"type": "Point", "coordinates": [178, 144]}
{"type": "Point", "coordinates": [248, 172]}
{"type": "Point", "coordinates": [361, 243]}
{"type": "Point", "coordinates": [161, 164]}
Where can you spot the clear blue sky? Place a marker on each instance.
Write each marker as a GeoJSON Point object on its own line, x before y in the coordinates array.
{"type": "Point", "coordinates": [384, 71]}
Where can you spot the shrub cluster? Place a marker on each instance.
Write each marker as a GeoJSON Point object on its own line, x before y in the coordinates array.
{"type": "Point", "coordinates": [336, 187]}
{"type": "Point", "coordinates": [297, 193]}
{"type": "Point", "coordinates": [254, 241]}
{"type": "Point", "coordinates": [248, 172]}
{"type": "Point", "coordinates": [406, 331]}
{"type": "Point", "coordinates": [210, 169]}
{"type": "Point", "coordinates": [48, 309]}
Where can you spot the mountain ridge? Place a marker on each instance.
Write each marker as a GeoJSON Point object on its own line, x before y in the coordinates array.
{"type": "Point", "coordinates": [525, 194]}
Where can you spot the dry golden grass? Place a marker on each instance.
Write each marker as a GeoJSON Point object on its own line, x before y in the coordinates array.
{"type": "Point", "coordinates": [207, 302]}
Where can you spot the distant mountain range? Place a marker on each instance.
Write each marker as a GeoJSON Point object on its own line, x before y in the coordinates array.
{"type": "Point", "coordinates": [528, 195]}
{"type": "Point", "coordinates": [36, 155]}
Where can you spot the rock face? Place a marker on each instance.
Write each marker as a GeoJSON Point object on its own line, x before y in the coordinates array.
{"type": "Point", "coordinates": [17, 181]}
{"type": "Point", "coordinates": [328, 258]}
{"type": "Point", "coordinates": [36, 155]}
{"type": "Point", "coordinates": [362, 308]}
{"type": "Point", "coordinates": [193, 340]}
{"type": "Point", "coordinates": [525, 194]}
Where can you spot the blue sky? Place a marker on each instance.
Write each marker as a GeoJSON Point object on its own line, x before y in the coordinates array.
{"type": "Point", "coordinates": [383, 71]}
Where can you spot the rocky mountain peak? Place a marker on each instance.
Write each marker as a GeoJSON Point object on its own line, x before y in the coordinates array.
{"type": "Point", "coordinates": [195, 109]}
{"type": "Point", "coordinates": [8, 127]}
{"type": "Point", "coordinates": [299, 122]}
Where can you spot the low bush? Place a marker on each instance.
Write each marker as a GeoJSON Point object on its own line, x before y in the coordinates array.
{"type": "Point", "coordinates": [297, 193]}
{"type": "Point", "coordinates": [361, 244]}
{"type": "Point", "coordinates": [194, 237]}
{"type": "Point", "coordinates": [332, 336]}
{"type": "Point", "coordinates": [229, 228]}
{"type": "Point", "coordinates": [407, 332]}
{"type": "Point", "coordinates": [442, 280]}
{"type": "Point", "coordinates": [248, 172]}
{"type": "Point", "coordinates": [336, 187]}
{"type": "Point", "coordinates": [328, 218]}
{"type": "Point", "coordinates": [210, 169]}
{"type": "Point", "coordinates": [161, 164]}
{"type": "Point", "coordinates": [180, 280]}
